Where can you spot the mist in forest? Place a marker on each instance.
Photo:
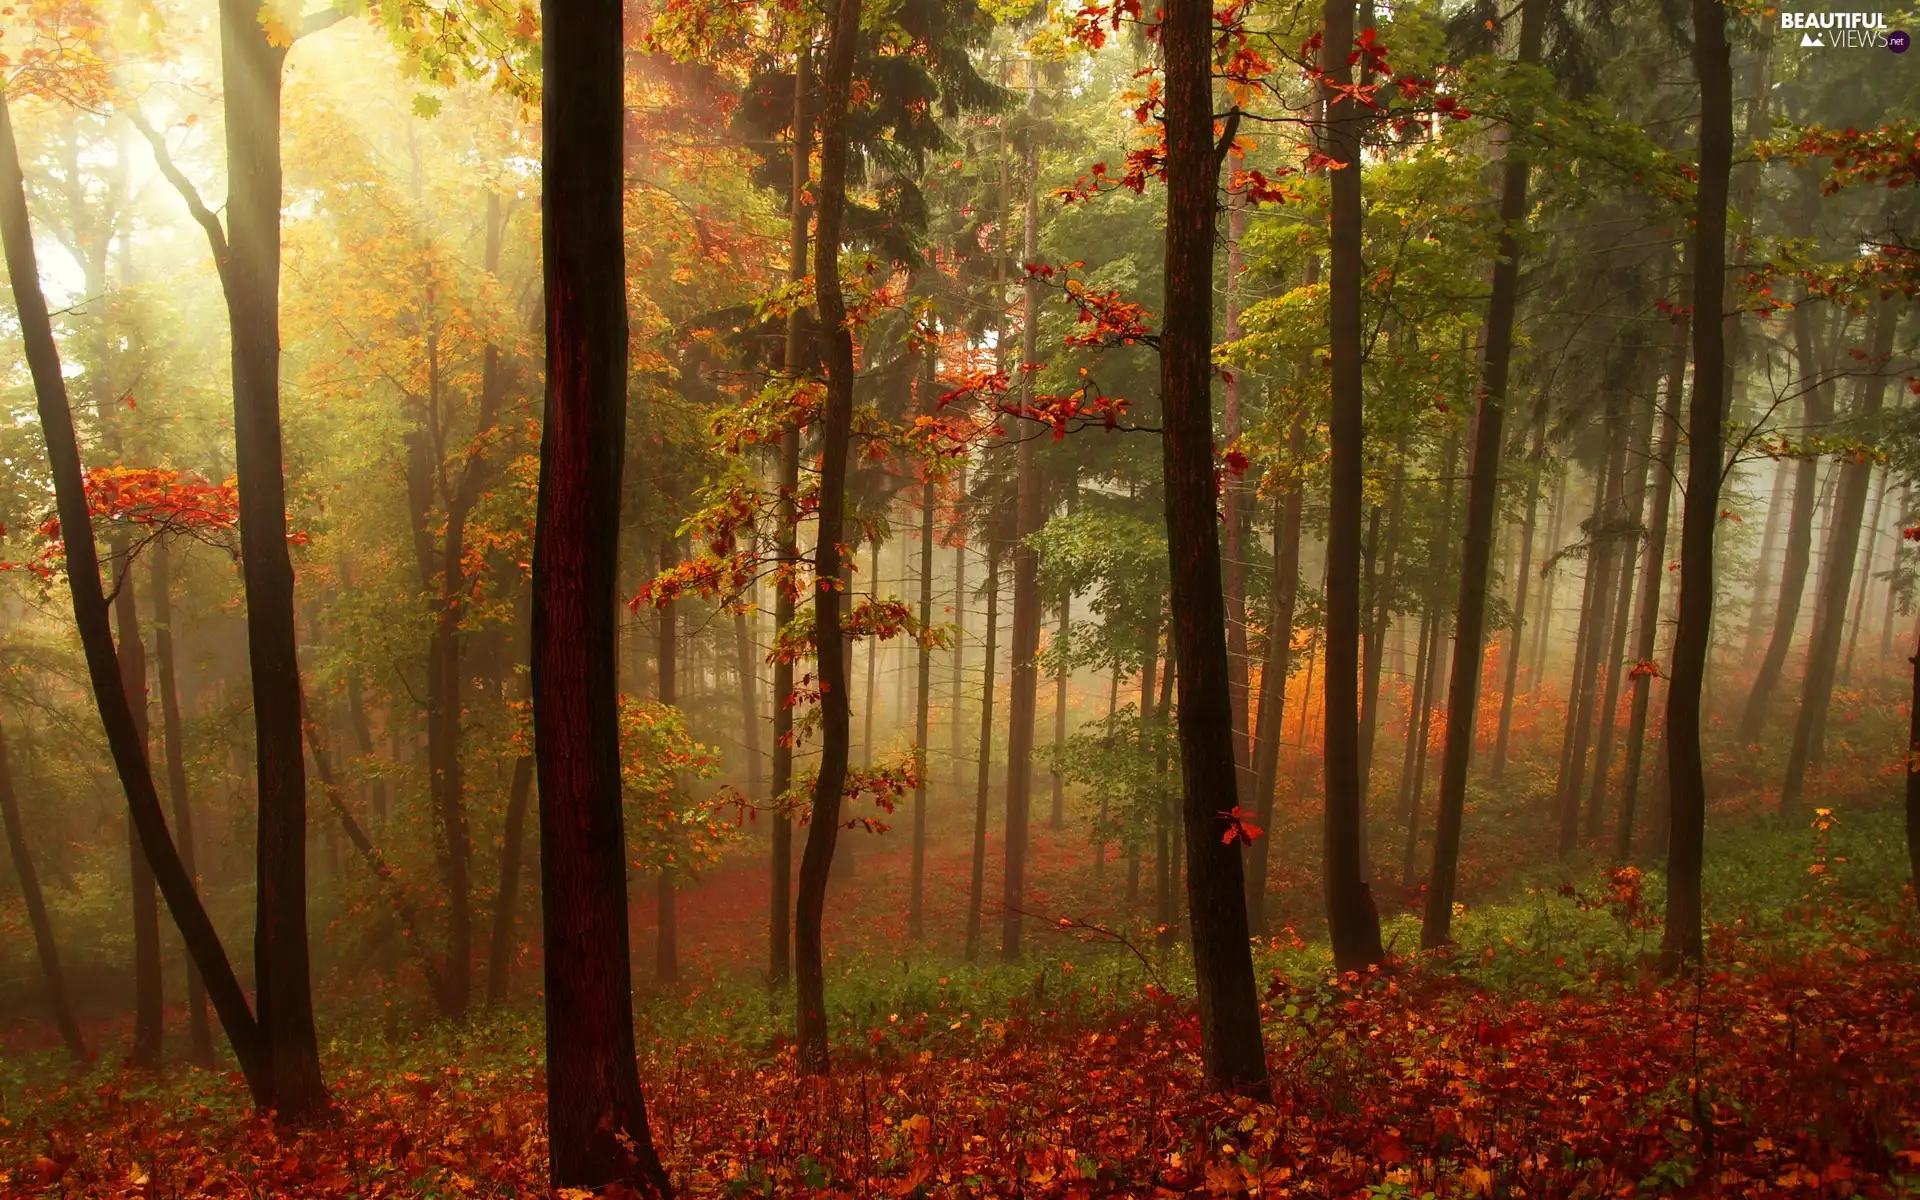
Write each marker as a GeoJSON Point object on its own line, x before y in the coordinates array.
{"type": "Point", "coordinates": [627, 598]}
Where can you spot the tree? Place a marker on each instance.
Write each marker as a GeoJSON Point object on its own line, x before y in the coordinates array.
{"type": "Point", "coordinates": [1700, 512]}
{"type": "Point", "coordinates": [1352, 921]}
{"type": "Point", "coordinates": [823, 826]}
{"type": "Point", "coordinates": [596, 1113]}
{"type": "Point", "coordinates": [43, 943]}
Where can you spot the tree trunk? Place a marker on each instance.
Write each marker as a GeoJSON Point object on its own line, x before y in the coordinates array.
{"type": "Point", "coordinates": [1023, 672]}
{"type": "Point", "coordinates": [1913, 778]}
{"type": "Point", "coordinates": [1234, 498]}
{"type": "Point", "coordinates": [1231, 1051]}
{"type": "Point", "coordinates": [744, 656]}
{"type": "Point", "coordinates": [1686, 772]}
{"type": "Point", "coordinates": [1647, 629]}
{"type": "Point", "coordinates": [1549, 576]}
{"type": "Point", "coordinates": [923, 697]}
{"type": "Point", "coordinates": [1843, 543]}
{"type": "Point", "coordinates": [1165, 875]}
{"type": "Point", "coordinates": [976, 886]}
{"type": "Point", "coordinates": [958, 732]}
{"type": "Point", "coordinates": [1595, 621]}
{"type": "Point", "coordinates": [1763, 567]}
{"type": "Point", "coordinates": [96, 634]}
{"type": "Point", "coordinates": [1866, 573]}
{"type": "Point", "coordinates": [666, 960]}
{"type": "Point", "coordinates": [1413, 745]}
{"type": "Point", "coordinates": [200, 1033]}
{"type": "Point", "coordinates": [1516, 639]}
{"type": "Point", "coordinates": [513, 838]}
{"type": "Point", "coordinates": [1378, 614]}
{"type": "Point", "coordinates": [1273, 683]}
{"type": "Point", "coordinates": [780, 901]}
{"type": "Point", "coordinates": [596, 1112]}
{"type": "Point", "coordinates": [148, 1029]}
{"type": "Point", "coordinates": [1817, 401]}
{"type": "Point", "coordinates": [1353, 924]}
{"type": "Point", "coordinates": [873, 662]}
{"type": "Point", "coordinates": [823, 829]}
{"type": "Point", "coordinates": [43, 943]}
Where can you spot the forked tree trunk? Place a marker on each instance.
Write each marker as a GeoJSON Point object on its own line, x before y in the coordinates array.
{"type": "Point", "coordinates": [976, 885]}
{"type": "Point", "coordinates": [1231, 1052]}
{"type": "Point", "coordinates": [1353, 923]}
{"type": "Point", "coordinates": [44, 945]}
{"type": "Point", "coordinates": [1686, 770]}
{"type": "Point", "coordinates": [96, 633]}
{"type": "Point", "coordinates": [173, 742]}
{"type": "Point", "coordinates": [596, 1112]}
{"type": "Point", "coordinates": [823, 828]}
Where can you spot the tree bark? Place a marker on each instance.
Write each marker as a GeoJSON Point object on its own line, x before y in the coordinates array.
{"type": "Point", "coordinates": [1231, 1051]}
{"type": "Point", "coordinates": [1516, 639]}
{"type": "Point", "coordinates": [596, 1112]}
{"type": "Point", "coordinates": [1353, 924]}
{"type": "Point", "coordinates": [173, 742]}
{"type": "Point", "coordinates": [1235, 516]}
{"type": "Point", "coordinates": [96, 634]}
{"type": "Point", "coordinates": [977, 879]}
{"type": "Point", "coordinates": [666, 960]}
{"type": "Point", "coordinates": [131, 651]}
{"type": "Point", "coordinates": [43, 943]}
{"type": "Point", "coordinates": [923, 697]}
{"type": "Point", "coordinates": [1377, 602]}
{"type": "Point", "coordinates": [1273, 682]}
{"type": "Point", "coordinates": [513, 840]}
{"type": "Point", "coordinates": [823, 829]}
{"type": "Point", "coordinates": [1866, 573]}
{"type": "Point", "coordinates": [1843, 543]}
{"type": "Point", "coordinates": [1595, 620]}
{"type": "Point", "coordinates": [1686, 771]}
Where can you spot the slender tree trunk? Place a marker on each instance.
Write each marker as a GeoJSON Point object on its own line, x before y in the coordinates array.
{"type": "Point", "coordinates": [1843, 543]}
{"type": "Point", "coordinates": [1550, 574]}
{"type": "Point", "coordinates": [823, 829]}
{"type": "Point", "coordinates": [1023, 672]}
{"type": "Point", "coordinates": [148, 1028]}
{"type": "Point", "coordinates": [976, 886]}
{"type": "Point", "coordinates": [1913, 776]}
{"type": "Point", "coordinates": [1353, 924]}
{"type": "Point", "coordinates": [1866, 573]}
{"type": "Point", "coordinates": [666, 960]}
{"type": "Point", "coordinates": [1149, 668]}
{"type": "Point", "coordinates": [1061, 678]}
{"type": "Point", "coordinates": [1234, 497]}
{"type": "Point", "coordinates": [1757, 610]}
{"type": "Point", "coordinates": [43, 943]}
{"type": "Point", "coordinates": [1414, 743]}
{"type": "Point", "coordinates": [1516, 639]}
{"type": "Point", "coordinates": [1647, 630]}
{"type": "Point", "coordinates": [1273, 683]}
{"type": "Point", "coordinates": [873, 662]}
{"type": "Point", "coordinates": [1165, 875]}
{"type": "Point", "coordinates": [958, 732]}
{"type": "Point", "coordinates": [513, 839]}
{"type": "Point", "coordinates": [1686, 773]}
{"type": "Point", "coordinates": [173, 741]}
{"type": "Point", "coordinates": [1817, 399]}
{"type": "Point", "coordinates": [596, 1112]}
{"type": "Point", "coordinates": [923, 697]}
{"type": "Point", "coordinates": [1596, 625]}
{"type": "Point", "coordinates": [780, 901]}
{"type": "Point", "coordinates": [1378, 614]}
{"type": "Point", "coordinates": [96, 634]}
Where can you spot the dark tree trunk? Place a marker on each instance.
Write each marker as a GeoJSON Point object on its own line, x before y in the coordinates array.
{"type": "Point", "coordinates": [1483, 493]}
{"type": "Point", "coordinates": [1023, 671]}
{"type": "Point", "coordinates": [1604, 553]}
{"type": "Point", "coordinates": [1231, 1051]}
{"type": "Point", "coordinates": [780, 902]}
{"type": "Point", "coordinates": [96, 634]}
{"type": "Point", "coordinates": [1234, 502]}
{"type": "Point", "coordinates": [1866, 573]}
{"type": "Point", "coordinates": [1700, 513]}
{"type": "Point", "coordinates": [513, 840]}
{"type": "Point", "coordinates": [959, 750]}
{"type": "Point", "coordinates": [666, 960]}
{"type": "Point", "coordinates": [1757, 610]}
{"type": "Point", "coordinates": [873, 662]}
{"type": "Point", "coordinates": [923, 697]}
{"type": "Point", "coordinates": [172, 734]}
{"type": "Point", "coordinates": [1818, 404]}
{"type": "Point", "coordinates": [1273, 684]}
{"type": "Point", "coordinates": [1165, 874]}
{"type": "Point", "coordinates": [43, 943]}
{"type": "Point", "coordinates": [1516, 639]}
{"type": "Point", "coordinates": [1913, 778]}
{"type": "Point", "coordinates": [823, 829]}
{"type": "Point", "coordinates": [148, 1028]}
{"type": "Point", "coordinates": [744, 667]}
{"type": "Point", "coordinates": [596, 1112]}
{"type": "Point", "coordinates": [1647, 629]}
{"type": "Point", "coordinates": [1378, 615]}
{"type": "Point", "coordinates": [1353, 924]}
{"type": "Point", "coordinates": [1843, 543]}
{"type": "Point", "coordinates": [976, 887]}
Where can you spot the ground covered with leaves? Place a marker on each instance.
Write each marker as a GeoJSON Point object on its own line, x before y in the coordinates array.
{"type": "Point", "coordinates": [1545, 1057]}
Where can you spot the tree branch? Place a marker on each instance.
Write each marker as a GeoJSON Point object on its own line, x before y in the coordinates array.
{"type": "Point", "coordinates": [163, 158]}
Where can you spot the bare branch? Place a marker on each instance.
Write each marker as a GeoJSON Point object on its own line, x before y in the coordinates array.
{"type": "Point", "coordinates": [163, 158]}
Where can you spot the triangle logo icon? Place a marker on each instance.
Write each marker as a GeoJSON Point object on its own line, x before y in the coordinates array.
{"type": "Point", "coordinates": [1812, 39]}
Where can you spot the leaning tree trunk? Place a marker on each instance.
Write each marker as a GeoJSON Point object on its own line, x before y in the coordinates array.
{"type": "Point", "coordinates": [1843, 543]}
{"type": "Point", "coordinates": [43, 943]}
{"type": "Point", "coordinates": [976, 885]}
{"type": "Point", "coordinates": [1686, 770]}
{"type": "Point", "coordinates": [823, 829]}
{"type": "Point", "coordinates": [200, 1034]}
{"type": "Point", "coordinates": [596, 1112]}
{"type": "Point", "coordinates": [780, 901]}
{"type": "Point", "coordinates": [1483, 494]}
{"type": "Point", "coordinates": [96, 633]}
{"type": "Point", "coordinates": [148, 1028]}
{"type": "Point", "coordinates": [1817, 403]}
{"type": "Point", "coordinates": [1231, 1051]}
{"type": "Point", "coordinates": [1353, 924]}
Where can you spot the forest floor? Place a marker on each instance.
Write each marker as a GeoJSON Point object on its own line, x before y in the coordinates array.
{"type": "Point", "coordinates": [1542, 1057]}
